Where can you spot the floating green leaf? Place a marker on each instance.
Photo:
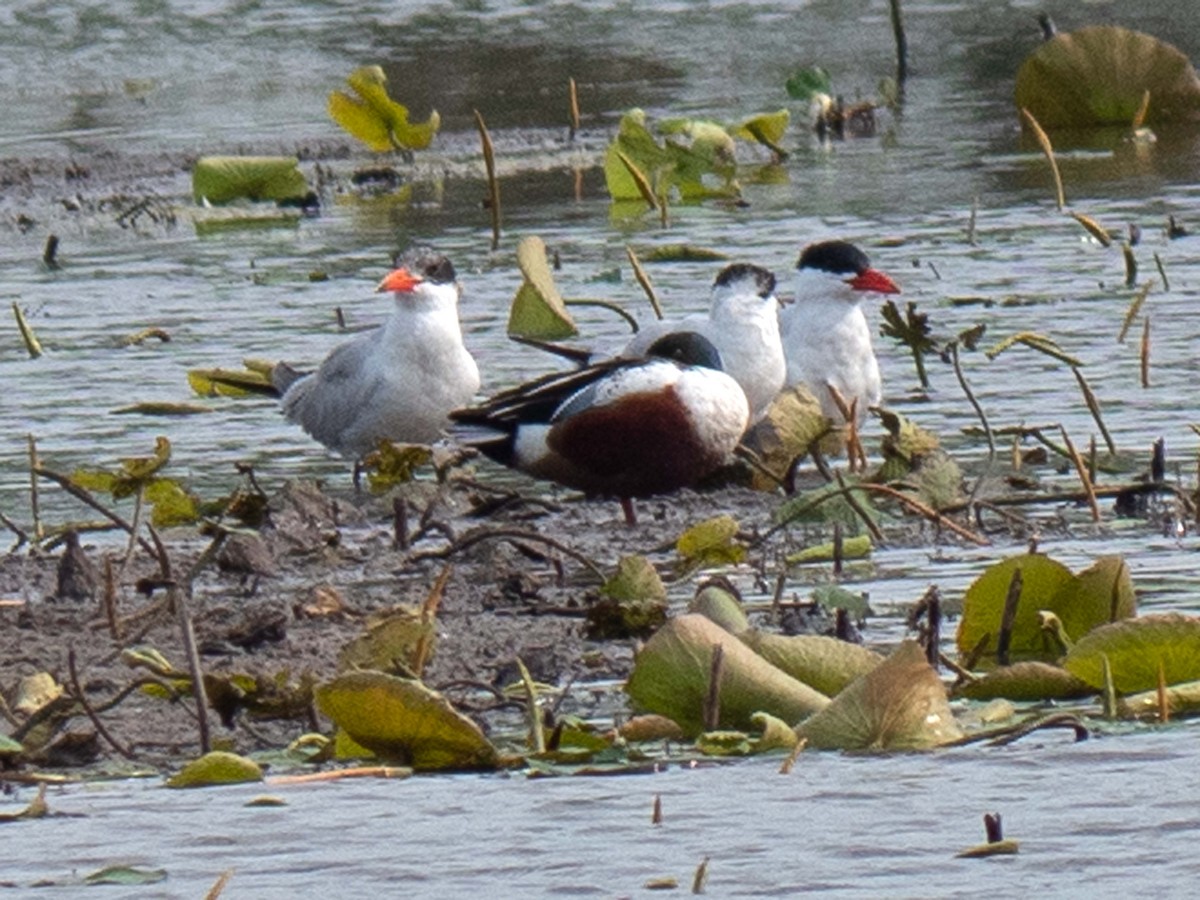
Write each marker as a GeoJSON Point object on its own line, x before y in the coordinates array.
{"type": "Point", "coordinates": [229, 382]}
{"type": "Point", "coordinates": [401, 719]}
{"type": "Point", "coordinates": [712, 542]}
{"type": "Point", "coordinates": [220, 179]}
{"type": "Point", "coordinates": [1027, 681]}
{"type": "Point", "coordinates": [217, 767]}
{"type": "Point", "coordinates": [538, 310]}
{"type": "Point", "coordinates": [671, 675]}
{"type": "Point", "coordinates": [1136, 648]}
{"type": "Point", "coordinates": [375, 118]}
{"type": "Point", "coordinates": [857, 547]}
{"type": "Point", "coordinates": [1181, 700]}
{"type": "Point", "coordinates": [899, 705]}
{"type": "Point", "coordinates": [1099, 76]}
{"type": "Point", "coordinates": [126, 875]}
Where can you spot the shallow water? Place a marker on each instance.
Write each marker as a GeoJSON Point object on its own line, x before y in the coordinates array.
{"type": "Point", "coordinates": [147, 78]}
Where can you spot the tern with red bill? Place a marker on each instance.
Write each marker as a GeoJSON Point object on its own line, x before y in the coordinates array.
{"type": "Point", "coordinates": [398, 382]}
{"type": "Point", "coordinates": [826, 338]}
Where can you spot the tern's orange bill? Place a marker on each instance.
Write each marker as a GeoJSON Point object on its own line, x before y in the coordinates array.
{"type": "Point", "coordinates": [400, 281]}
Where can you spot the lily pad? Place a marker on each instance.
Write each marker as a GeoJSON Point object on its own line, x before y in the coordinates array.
{"type": "Point", "coordinates": [767, 129]}
{"type": "Point", "coordinates": [401, 719]}
{"type": "Point", "coordinates": [633, 602]}
{"type": "Point", "coordinates": [857, 547]}
{"type": "Point", "coordinates": [1099, 76]}
{"type": "Point", "coordinates": [712, 542]}
{"type": "Point", "coordinates": [983, 605]}
{"type": "Point", "coordinates": [899, 705]}
{"type": "Point", "coordinates": [824, 663]}
{"type": "Point", "coordinates": [217, 767]}
{"type": "Point", "coordinates": [1136, 648]}
{"type": "Point", "coordinates": [671, 674]}
{"type": "Point", "coordinates": [126, 875]}
{"type": "Point", "coordinates": [229, 382]}
{"type": "Point", "coordinates": [1181, 699]}
{"type": "Point", "coordinates": [1101, 593]}
{"type": "Point", "coordinates": [220, 179]}
{"type": "Point", "coordinates": [1027, 681]}
{"type": "Point", "coordinates": [375, 118]}
{"type": "Point", "coordinates": [718, 603]}
{"type": "Point", "coordinates": [538, 310]}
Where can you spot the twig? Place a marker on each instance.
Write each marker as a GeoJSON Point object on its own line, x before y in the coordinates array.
{"type": "Point", "coordinates": [1048, 149]}
{"type": "Point", "coordinates": [644, 280]}
{"type": "Point", "coordinates": [901, 46]}
{"type": "Point", "coordinates": [485, 533]}
{"type": "Point", "coordinates": [91, 713]}
{"type": "Point", "coordinates": [489, 161]}
{"type": "Point", "coordinates": [931, 514]}
{"type": "Point", "coordinates": [712, 699]}
{"type": "Point", "coordinates": [573, 98]}
{"type": "Point", "coordinates": [34, 497]}
{"type": "Point", "coordinates": [1145, 354]}
{"type": "Point", "coordinates": [16, 529]}
{"type": "Point", "coordinates": [852, 501]}
{"type": "Point", "coordinates": [82, 495]}
{"type": "Point", "coordinates": [1012, 600]}
{"type": "Point", "coordinates": [1093, 406]}
{"type": "Point", "coordinates": [1082, 471]}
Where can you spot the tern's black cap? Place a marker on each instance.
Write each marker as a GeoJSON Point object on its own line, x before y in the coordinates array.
{"type": "Point", "coordinates": [836, 257]}
{"type": "Point", "coordinates": [763, 278]}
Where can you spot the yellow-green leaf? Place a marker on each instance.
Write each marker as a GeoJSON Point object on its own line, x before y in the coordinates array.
{"type": "Point", "coordinates": [767, 129]}
{"type": "Point", "coordinates": [217, 767]}
{"type": "Point", "coordinates": [1099, 75]}
{"type": "Point", "coordinates": [220, 179]}
{"type": "Point", "coordinates": [537, 309]}
{"type": "Point", "coordinates": [1031, 680]}
{"type": "Point", "coordinates": [983, 606]}
{"type": "Point", "coordinates": [401, 719]}
{"type": "Point", "coordinates": [899, 705]}
{"type": "Point", "coordinates": [375, 118]}
{"type": "Point", "coordinates": [824, 663]}
{"type": "Point", "coordinates": [672, 671]}
{"type": "Point", "coordinates": [712, 542]}
{"type": "Point", "coordinates": [1136, 648]}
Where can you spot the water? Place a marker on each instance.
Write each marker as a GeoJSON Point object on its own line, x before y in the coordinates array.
{"type": "Point", "coordinates": [154, 82]}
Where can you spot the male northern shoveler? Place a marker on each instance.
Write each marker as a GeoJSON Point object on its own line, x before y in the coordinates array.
{"type": "Point", "coordinates": [623, 427]}
{"type": "Point", "coordinates": [742, 323]}
{"type": "Point", "coordinates": [826, 339]}
{"type": "Point", "coordinates": [398, 382]}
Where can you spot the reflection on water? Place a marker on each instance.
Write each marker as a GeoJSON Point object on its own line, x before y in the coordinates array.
{"type": "Point", "coordinates": [80, 81]}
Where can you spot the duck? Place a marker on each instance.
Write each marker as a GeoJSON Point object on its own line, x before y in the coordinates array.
{"type": "Point", "coordinates": [742, 323]}
{"type": "Point", "coordinates": [623, 427]}
{"type": "Point", "coordinates": [824, 332]}
{"type": "Point", "coordinates": [398, 382]}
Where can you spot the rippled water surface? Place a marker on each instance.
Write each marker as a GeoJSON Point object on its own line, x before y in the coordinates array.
{"type": "Point", "coordinates": [81, 81]}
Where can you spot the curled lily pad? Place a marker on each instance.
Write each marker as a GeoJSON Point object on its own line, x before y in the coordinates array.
{"type": "Point", "coordinates": [538, 310]}
{"type": "Point", "coordinates": [824, 663]}
{"type": "Point", "coordinates": [220, 179]}
{"type": "Point", "coordinates": [716, 602]}
{"type": "Point", "coordinates": [1181, 700]}
{"type": "Point", "coordinates": [375, 118]}
{"type": "Point", "coordinates": [391, 643]}
{"type": "Point", "coordinates": [1027, 681]}
{"type": "Point", "coordinates": [1136, 649]}
{"type": "Point", "coordinates": [217, 767]}
{"type": "Point", "coordinates": [1099, 76]}
{"type": "Point", "coordinates": [403, 720]}
{"type": "Point", "coordinates": [671, 678]}
{"type": "Point", "coordinates": [899, 705]}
